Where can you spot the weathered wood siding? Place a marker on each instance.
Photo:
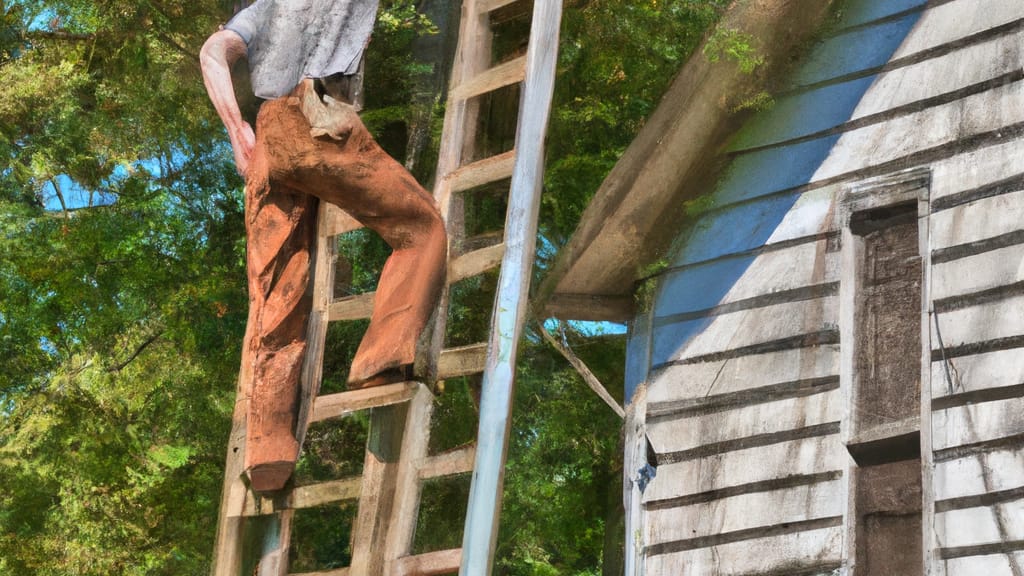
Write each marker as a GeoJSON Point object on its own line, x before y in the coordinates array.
{"type": "Point", "coordinates": [741, 350]}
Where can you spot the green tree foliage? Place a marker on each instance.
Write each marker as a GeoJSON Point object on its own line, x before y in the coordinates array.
{"type": "Point", "coordinates": [616, 59]}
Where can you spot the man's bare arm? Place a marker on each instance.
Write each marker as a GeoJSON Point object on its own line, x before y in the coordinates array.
{"type": "Point", "coordinates": [219, 53]}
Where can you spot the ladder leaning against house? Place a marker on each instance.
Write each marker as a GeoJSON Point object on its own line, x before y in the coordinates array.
{"type": "Point", "coordinates": [254, 534]}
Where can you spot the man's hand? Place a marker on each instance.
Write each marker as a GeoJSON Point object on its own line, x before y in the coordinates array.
{"type": "Point", "coordinates": [243, 141]}
{"type": "Point", "coordinates": [219, 52]}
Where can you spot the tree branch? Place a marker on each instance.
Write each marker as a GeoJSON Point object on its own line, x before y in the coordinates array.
{"type": "Point", "coordinates": [145, 344]}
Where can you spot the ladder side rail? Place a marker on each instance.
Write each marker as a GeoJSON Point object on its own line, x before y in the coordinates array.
{"type": "Point", "coordinates": [274, 560]}
{"type": "Point", "coordinates": [229, 546]}
{"type": "Point", "coordinates": [458, 139]}
{"type": "Point", "coordinates": [481, 529]}
{"type": "Point", "coordinates": [415, 444]}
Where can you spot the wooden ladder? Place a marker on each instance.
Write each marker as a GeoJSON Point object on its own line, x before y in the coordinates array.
{"type": "Point", "coordinates": [253, 533]}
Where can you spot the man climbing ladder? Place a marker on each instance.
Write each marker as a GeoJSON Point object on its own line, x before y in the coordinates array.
{"type": "Point", "coordinates": [310, 144]}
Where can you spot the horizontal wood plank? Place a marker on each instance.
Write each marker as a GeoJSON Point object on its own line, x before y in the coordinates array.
{"type": "Point", "coordinates": [689, 382]}
{"type": "Point", "coordinates": [973, 475]}
{"type": "Point", "coordinates": [980, 220]}
{"type": "Point", "coordinates": [746, 511]}
{"type": "Point", "coordinates": [337, 221]}
{"type": "Point", "coordinates": [491, 5]}
{"type": "Point", "coordinates": [933, 127]}
{"type": "Point", "coordinates": [492, 79]}
{"type": "Point", "coordinates": [985, 272]}
{"type": "Point", "coordinates": [990, 321]}
{"type": "Point", "coordinates": [978, 372]}
{"type": "Point", "coordinates": [476, 262]}
{"type": "Point", "coordinates": [358, 307]}
{"type": "Point", "coordinates": [458, 461]}
{"type": "Point", "coordinates": [591, 307]}
{"type": "Point", "coordinates": [988, 565]}
{"type": "Point", "coordinates": [669, 434]}
{"type": "Point", "coordinates": [308, 497]}
{"type": "Point", "coordinates": [482, 172]}
{"type": "Point", "coordinates": [977, 168]}
{"type": "Point", "coordinates": [696, 338]}
{"type": "Point", "coordinates": [333, 405]}
{"type": "Point", "coordinates": [752, 465]}
{"type": "Point", "coordinates": [429, 564]}
{"type": "Point", "coordinates": [783, 554]}
{"type": "Point", "coordinates": [981, 525]}
{"type": "Point", "coordinates": [335, 572]}
{"type": "Point", "coordinates": [462, 361]}
{"type": "Point", "coordinates": [977, 423]}
{"type": "Point", "coordinates": [951, 21]}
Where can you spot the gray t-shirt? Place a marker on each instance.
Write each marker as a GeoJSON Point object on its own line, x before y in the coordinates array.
{"type": "Point", "coordinates": [289, 40]}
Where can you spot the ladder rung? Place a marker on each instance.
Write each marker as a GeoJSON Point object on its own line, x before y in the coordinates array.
{"type": "Point", "coordinates": [337, 221]}
{"type": "Point", "coordinates": [335, 572]}
{"type": "Point", "coordinates": [482, 172]}
{"type": "Point", "coordinates": [491, 5]}
{"type": "Point", "coordinates": [355, 307]}
{"type": "Point", "coordinates": [491, 79]}
{"type": "Point", "coordinates": [457, 461]}
{"type": "Point", "coordinates": [455, 362]}
{"type": "Point", "coordinates": [429, 564]}
{"type": "Point", "coordinates": [332, 405]}
{"type": "Point", "coordinates": [476, 262]}
{"type": "Point", "coordinates": [309, 496]}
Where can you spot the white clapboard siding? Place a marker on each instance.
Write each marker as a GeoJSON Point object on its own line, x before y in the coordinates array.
{"type": "Point", "coordinates": [989, 321]}
{"type": "Point", "coordinates": [739, 467]}
{"type": "Point", "coordinates": [990, 565]}
{"type": "Point", "coordinates": [759, 325]}
{"type": "Point", "coordinates": [703, 379]}
{"type": "Point", "coordinates": [983, 271]}
{"type": "Point", "coordinates": [980, 525]}
{"type": "Point", "coordinates": [955, 20]}
{"type": "Point", "coordinates": [977, 168]}
{"type": "Point", "coordinates": [979, 372]}
{"type": "Point", "coordinates": [935, 126]}
{"type": "Point", "coordinates": [977, 423]}
{"type": "Point", "coordinates": [947, 73]}
{"type": "Point", "coordinates": [673, 435]}
{"type": "Point", "coordinates": [811, 214]}
{"type": "Point", "coordinates": [799, 266]}
{"type": "Point", "coordinates": [979, 220]}
{"type": "Point", "coordinates": [760, 555]}
{"type": "Point", "coordinates": [747, 511]}
{"type": "Point", "coordinates": [972, 475]}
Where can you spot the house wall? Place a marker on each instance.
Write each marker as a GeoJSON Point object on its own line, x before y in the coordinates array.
{"type": "Point", "coordinates": [740, 356]}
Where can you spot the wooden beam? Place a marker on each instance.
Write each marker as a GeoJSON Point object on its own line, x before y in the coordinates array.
{"type": "Point", "coordinates": [308, 497]}
{"type": "Point", "coordinates": [583, 370]}
{"type": "Point", "coordinates": [611, 308]}
{"type": "Point", "coordinates": [502, 75]}
{"type": "Point", "coordinates": [462, 361]}
{"type": "Point", "coordinates": [457, 461]}
{"type": "Point", "coordinates": [429, 564]}
{"type": "Point", "coordinates": [336, 572]}
{"type": "Point", "coordinates": [334, 405]}
{"type": "Point", "coordinates": [335, 221]}
{"type": "Point", "coordinates": [377, 497]}
{"type": "Point", "coordinates": [358, 307]}
{"type": "Point", "coordinates": [482, 172]}
{"type": "Point", "coordinates": [491, 5]}
{"type": "Point", "coordinates": [477, 262]}
{"type": "Point", "coordinates": [405, 513]}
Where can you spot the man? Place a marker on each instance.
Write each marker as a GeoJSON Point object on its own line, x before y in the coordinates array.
{"type": "Point", "coordinates": [309, 144]}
